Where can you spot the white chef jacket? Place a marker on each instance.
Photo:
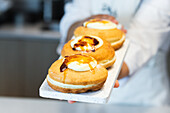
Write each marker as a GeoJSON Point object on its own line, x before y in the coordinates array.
{"type": "Point", "coordinates": [148, 25]}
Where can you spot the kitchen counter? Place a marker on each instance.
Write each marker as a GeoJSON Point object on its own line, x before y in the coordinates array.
{"type": "Point", "coordinates": [32, 105]}
{"type": "Point", "coordinates": [27, 32]}
{"type": "Point", "coordinates": [26, 54]}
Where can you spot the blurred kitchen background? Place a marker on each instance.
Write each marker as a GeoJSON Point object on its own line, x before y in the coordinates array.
{"type": "Point", "coordinates": [29, 36]}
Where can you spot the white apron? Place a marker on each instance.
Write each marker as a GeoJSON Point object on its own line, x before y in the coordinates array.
{"type": "Point", "coordinates": [150, 40]}
{"type": "Point", "coordinates": [149, 85]}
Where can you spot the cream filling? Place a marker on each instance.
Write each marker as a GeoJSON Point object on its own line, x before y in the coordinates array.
{"type": "Point", "coordinates": [119, 41]}
{"type": "Point", "coordinates": [76, 66]}
{"type": "Point", "coordinates": [100, 25]}
{"type": "Point", "coordinates": [105, 62]}
{"type": "Point", "coordinates": [86, 47]}
{"type": "Point", "coordinates": [59, 84]}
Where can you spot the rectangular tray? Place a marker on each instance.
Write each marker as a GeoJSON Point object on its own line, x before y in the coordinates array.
{"type": "Point", "coordinates": [100, 96]}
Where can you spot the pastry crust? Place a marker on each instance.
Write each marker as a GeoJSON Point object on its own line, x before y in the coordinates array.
{"type": "Point", "coordinates": [69, 90]}
{"type": "Point", "coordinates": [70, 81]}
{"type": "Point", "coordinates": [94, 76]}
{"type": "Point", "coordinates": [109, 63]}
{"type": "Point", "coordinates": [111, 35]}
{"type": "Point", "coordinates": [105, 52]}
{"type": "Point", "coordinates": [118, 44]}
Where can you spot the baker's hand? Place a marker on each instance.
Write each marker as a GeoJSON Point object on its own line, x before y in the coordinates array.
{"type": "Point", "coordinates": [124, 71]}
{"type": "Point", "coordinates": [115, 86]}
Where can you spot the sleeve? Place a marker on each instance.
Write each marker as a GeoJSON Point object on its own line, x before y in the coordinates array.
{"type": "Point", "coordinates": [148, 31]}
{"type": "Point", "coordinates": [74, 11]}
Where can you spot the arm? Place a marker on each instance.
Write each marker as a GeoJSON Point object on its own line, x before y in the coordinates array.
{"type": "Point", "coordinates": [148, 31]}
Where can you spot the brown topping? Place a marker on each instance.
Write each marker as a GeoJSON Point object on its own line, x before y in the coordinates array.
{"type": "Point", "coordinates": [93, 50]}
{"type": "Point", "coordinates": [90, 66]}
{"type": "Point", "coordinates": [86, 41]}
{"type": "Point", "coordinates": [63, 67]}
{"type": "Point", "coordinates": [79, 58]}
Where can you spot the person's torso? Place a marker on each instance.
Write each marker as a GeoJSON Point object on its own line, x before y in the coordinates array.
{"type": "Point", "coordinates": [121, 9]}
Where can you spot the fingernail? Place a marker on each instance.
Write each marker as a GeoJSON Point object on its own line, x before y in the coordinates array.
{"type": "Point", "coordinates": [71, 102]}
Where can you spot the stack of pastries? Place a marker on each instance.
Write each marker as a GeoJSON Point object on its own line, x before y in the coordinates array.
{"type": "Point", "coordinates": [85, 59]}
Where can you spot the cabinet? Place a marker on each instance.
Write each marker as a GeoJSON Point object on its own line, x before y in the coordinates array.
{"type": "Point", "coordinates": [24, 65]}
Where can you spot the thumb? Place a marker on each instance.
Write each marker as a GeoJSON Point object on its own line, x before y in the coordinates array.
{"type": "Point", "coordinates": [116, 84]}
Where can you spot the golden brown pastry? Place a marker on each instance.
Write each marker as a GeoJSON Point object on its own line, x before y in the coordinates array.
{"type": "Point", "coordinates": [93, 46]}
{"type": "Point", "coordinates": [76, 74]}
{"type": "Point", "coordinates": [104, 29]}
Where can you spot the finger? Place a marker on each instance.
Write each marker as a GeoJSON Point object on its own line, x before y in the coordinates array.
{"type": "Point", "coordinates": [116, 84]}
{"type": "Point", "coordinates": [124, 30]}
{"type": "Point", "coordinates": [115, 21]}
{"type": "Point", "coordinates": [71, 102]}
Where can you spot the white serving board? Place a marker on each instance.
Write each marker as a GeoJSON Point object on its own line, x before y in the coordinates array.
{"type": "Point", "coordinates": [100, 96]}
